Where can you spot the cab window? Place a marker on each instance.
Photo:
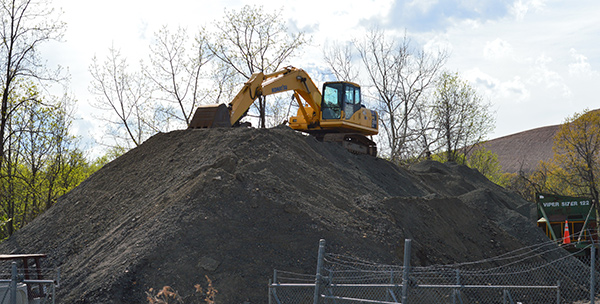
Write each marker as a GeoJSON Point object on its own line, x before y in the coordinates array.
{"type": "Point", "coordinates": [351, 100]}
{"type": "Point", "coordinates": [331, 101]}
{"type": "Point", "coordinates": [349, 95]}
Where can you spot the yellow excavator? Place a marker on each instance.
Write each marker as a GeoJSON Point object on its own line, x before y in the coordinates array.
{"type": "Point", "coordinates": [337, 115]}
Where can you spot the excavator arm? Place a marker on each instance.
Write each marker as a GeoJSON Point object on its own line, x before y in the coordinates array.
{"type": "Point", "coordinates": [259, 84]}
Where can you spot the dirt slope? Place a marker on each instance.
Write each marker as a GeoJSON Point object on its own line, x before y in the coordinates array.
{"type": "Point", "coordinates": [234, 204]}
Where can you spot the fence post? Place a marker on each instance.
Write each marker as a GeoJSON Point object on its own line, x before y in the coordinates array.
{"type": "Point", "coordinates": [558, 292]}
{"type": "Point", "coordinates": [269, 298]}
{"type": "Point", "coordinates": [406, 270]}
{"type": "Point", "coordinates": [13, 284]}
{"type": "Point", "coordinates": [592, 270]}
{"type": "Point", "coordinates": [390, 291]}
{"type": "Point", "coordinates": [318, 277]}
{"type": "Point", "coordinates": [272, 286]}
{"type": "Point", "coordinates": [456, 290]}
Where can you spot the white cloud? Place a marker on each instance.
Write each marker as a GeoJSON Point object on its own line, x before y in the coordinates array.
{"type": "Point", "coordinates": [437, 43]}
{"type": "Point", "coordinates": [543, 75]}
{"type": "Point", "coordinates": [516, 88]}
{"type": "Point", "coordinates": [520, 8]}
{"type": "Point", "coordinates": [497, 49]}
{"type": "Point", "coordinates": [545, 63]}
{"type": "Point", "coordinates": [481, 79]}
{"type": "Point", "coordinates": [580, 65]}
{"type": "Point", "coordinates": [472, 24]}
{"type": "Point", "coordinates": [422, 5]}
{"type": "Point", "coordinates": [509, 91]}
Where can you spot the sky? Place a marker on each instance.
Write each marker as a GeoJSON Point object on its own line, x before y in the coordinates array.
{"type": "Point", "coordinates": [536, 61]}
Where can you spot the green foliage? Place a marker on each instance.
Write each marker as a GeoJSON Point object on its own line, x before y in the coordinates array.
{"type": "Point", "coordinates": [109, 156]}
{"type": "Point", "coordinates": [461, 117]}
{"type": "Point", "coordinates": [41, 161]}
{"type": "Point", "coordinates": [577, 153]}
{"type": "Point", "coordinates": [486, 162]}
{"type": "Point", "coordinates": [482, 159]}
{"type": "Point", "coordinates": [442, 158]}
{"type": "Point", "coordinates": [574, 169]}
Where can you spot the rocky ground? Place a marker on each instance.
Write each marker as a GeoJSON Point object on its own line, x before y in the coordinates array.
{"type": "Point", "coordinates": [233, 204]}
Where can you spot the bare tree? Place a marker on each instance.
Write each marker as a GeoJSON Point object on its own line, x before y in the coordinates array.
{"type": "Point", "coordinates": [126, 96]}
{"type": "Point", "coordinates": [177, 70]}
{"type": "Point", "coordinates": [252, 41]}
{"type": "Point", "coordinates": [63, 166]}
{"type": "Point", "coordinates": [281, 106]}
{"type": "Point", "coordinates": [25, 25]}
{"type": "Point", "coordinates": [425, 139]}
{"type": "Point", "coordinates": [400, 76]}
{"type": "Point", "coordinates": [224, 80]}
{"type": "Point", "coordinates": [340, 59]}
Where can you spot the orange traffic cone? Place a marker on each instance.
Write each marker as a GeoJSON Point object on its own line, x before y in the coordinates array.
{"type": "Point", "coordinates": [566, 235]}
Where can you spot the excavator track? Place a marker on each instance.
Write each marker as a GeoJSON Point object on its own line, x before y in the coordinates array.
{"type": "Point", "coordinates": [353, 142]}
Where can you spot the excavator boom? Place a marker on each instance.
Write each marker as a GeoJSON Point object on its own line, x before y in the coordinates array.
{"type": "Point", "coordinates": [259, 84]}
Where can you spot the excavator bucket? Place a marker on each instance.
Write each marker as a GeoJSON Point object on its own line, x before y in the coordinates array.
{"type": "Point", "coordinates": [211, 116]}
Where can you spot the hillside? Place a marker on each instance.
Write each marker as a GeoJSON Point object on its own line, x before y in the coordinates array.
{"type": "Point", "coordinates": [524, 150]}
{"type": "Point", "coordinates": [233, 204]}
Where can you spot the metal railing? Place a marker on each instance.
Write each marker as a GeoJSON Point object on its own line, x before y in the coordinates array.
{"type": "Point", "coordinates": [34, 290]}
{"type": "Point", "coordinates": [537, 274]}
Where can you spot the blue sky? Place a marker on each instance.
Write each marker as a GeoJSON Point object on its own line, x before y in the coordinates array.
{"type": "Point", "coordinates": [536, 61]}
{"type": "Point", "coordinates": [423, 16]}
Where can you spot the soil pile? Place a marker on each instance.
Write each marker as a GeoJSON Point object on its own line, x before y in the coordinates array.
{"type": "Point", "coordinates": [233, 204]}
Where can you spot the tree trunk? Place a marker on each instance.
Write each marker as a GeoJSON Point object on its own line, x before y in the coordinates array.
{"type": "Point", "coordinates": [3, 123]}
{"type": "Point", "coordinates": [261, 108]}
{"type": "Point", "coordinates": [596, 205]}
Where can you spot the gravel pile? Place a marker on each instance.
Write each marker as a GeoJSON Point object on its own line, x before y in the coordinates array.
{"type": "Point", "coordinates": [233, 204]}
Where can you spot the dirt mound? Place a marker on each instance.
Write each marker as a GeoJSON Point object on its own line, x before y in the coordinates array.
{"type": "Point", "coordinates": [234, 204]}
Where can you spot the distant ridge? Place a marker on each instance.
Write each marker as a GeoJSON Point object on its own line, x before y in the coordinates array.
{"type": "Point", "coordinates": [523, 151]}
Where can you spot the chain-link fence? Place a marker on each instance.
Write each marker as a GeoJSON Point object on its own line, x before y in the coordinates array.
{"type": "Point", "coordinates": [542, 273]}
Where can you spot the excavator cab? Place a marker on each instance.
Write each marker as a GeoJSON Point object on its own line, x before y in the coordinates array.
{"type": "Point", "coordinates": [344, 119]}
{"type": "Point", "coordinates": [340, 97]}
